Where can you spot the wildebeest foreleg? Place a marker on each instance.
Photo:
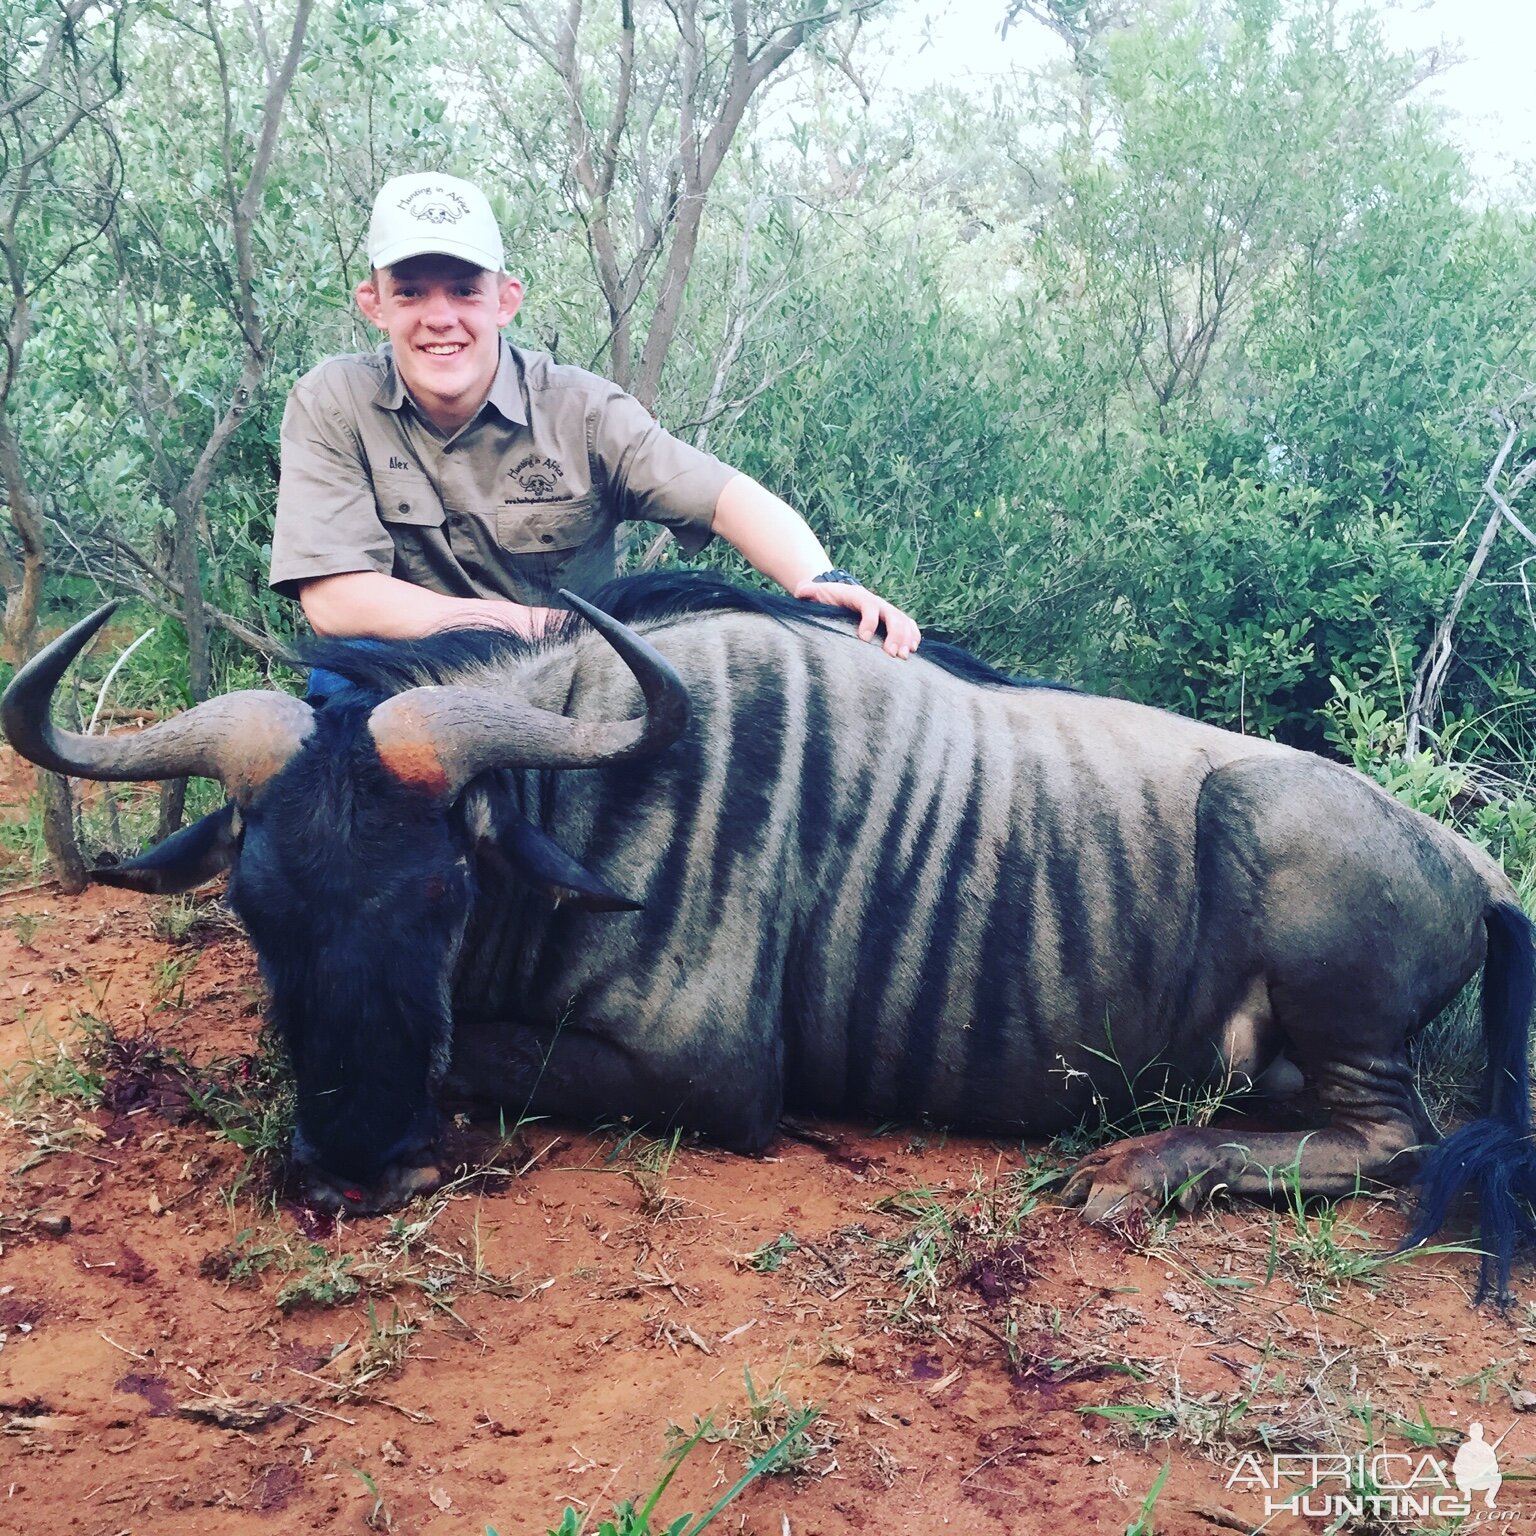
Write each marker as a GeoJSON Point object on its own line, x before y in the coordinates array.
{"type": "Point", "coordinates": [581, 1074]}
{"type": "Point", "coordinates": [1375, 1125]}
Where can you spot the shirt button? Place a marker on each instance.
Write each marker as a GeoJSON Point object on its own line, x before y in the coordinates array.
{"type": "Point", "coordinates": [405, 506]}
{"type": "Point", "coordinates": [547, 538]}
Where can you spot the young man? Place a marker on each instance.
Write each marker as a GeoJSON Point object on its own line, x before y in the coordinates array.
{"type": "Point", "coordinates": [451, 478]}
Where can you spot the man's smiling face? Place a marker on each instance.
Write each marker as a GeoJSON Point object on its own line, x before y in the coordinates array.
{"type": "Point", "coordinates": [442, 317]}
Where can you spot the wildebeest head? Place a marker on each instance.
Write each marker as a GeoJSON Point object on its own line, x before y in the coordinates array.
{"type": "Point", "coordinates": [352, 836]}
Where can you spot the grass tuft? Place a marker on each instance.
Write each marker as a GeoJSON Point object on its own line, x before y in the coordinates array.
{"type": "Point", "coordinates": [972, 1238]}
{"type": "Point", "coordinates": [635, 1519]}
{"type": "Point", "coordinates": [770, 1420]}
{"type": "Point", "coordinates": [646, 1162]}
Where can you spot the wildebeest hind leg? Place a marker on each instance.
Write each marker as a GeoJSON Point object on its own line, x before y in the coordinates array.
{"type": "Point", "coordinates": [1358, 940]}
{"type": "Point", "coordinates": [1375, 1125]}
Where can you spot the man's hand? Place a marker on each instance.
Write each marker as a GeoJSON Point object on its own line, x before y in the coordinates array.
{"type": "Point", "coordinates": [902, 636]}
{"type": "Point", "coordinates": [778, 542]}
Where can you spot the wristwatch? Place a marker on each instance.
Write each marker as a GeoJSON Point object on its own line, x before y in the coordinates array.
{"type": "Point", "coordinates": [837, 574]}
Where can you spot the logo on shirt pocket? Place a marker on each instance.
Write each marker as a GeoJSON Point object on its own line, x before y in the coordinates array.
{"type": "Point", "coordinates": [538, 478]}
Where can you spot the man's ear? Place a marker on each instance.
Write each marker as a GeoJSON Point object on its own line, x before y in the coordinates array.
{"type": "Point", "coordinates": [509, 299]}
{"type": "Point", "coordinates": [371, 302]}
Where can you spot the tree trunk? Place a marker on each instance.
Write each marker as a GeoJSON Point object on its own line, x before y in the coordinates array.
{"type": "Point", "coordinates": [59, 834]}
{"type": "Point", "coordinates": [194, 612]}
{"type": "Point", "coordinates": [23, 582]}
{"type": "Point", "coordinates": [669, 307]}
{"type": "Point", "coordinates": [23, 597]}
{"type": "Point", "coordinates": [194, 617]}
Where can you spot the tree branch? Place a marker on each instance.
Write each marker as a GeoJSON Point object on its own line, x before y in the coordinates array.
{"type": "Point", "coordinates": [1429, 676]}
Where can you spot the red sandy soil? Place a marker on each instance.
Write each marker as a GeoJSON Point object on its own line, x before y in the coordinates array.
{"type": "Point", "coordinates": [569, 1308]}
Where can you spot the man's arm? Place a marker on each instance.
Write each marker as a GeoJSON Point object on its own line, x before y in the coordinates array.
{"type": "Point", "coordinates": [777, 541]}
{"type": "Point", "coordinates": [768, 532]}
{"type": "Point", "coordinates": [369, 603]}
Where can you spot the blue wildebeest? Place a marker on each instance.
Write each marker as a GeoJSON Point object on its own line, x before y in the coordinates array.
{"type": "Point", "coordinates": [720, 858]}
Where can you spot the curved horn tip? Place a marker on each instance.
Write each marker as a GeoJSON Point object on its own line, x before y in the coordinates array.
{"type": "Point", "coordinates": [86, 627]}
{"type": "Point", "coordinates": [37, 678]}
{"type": "Point", "coordinates": [665, 694]}
{"type": "Point", "coordinates": [72, 641]}
{"type": "Point", "coordinates": [581, 605]}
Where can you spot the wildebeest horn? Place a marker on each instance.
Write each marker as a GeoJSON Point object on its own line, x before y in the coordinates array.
{"type": "Point", "coordinates": [241, 739]}
{"type": "Point", "coordinates": [440, 738]}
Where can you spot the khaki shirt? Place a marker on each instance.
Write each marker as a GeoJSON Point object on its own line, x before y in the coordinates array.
{"type": "Point", "coordinates": [522, 500]}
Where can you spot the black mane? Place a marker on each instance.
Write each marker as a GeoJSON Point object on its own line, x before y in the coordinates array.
{"type": "Point", "coordinates": [652, 597]}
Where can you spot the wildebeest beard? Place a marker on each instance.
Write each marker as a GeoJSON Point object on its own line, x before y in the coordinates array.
{"type": "Point", "coordinates": [357, 924]}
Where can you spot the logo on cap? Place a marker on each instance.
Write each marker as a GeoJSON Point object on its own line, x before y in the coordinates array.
{"type": "Point", "coordinates": [434, 205]}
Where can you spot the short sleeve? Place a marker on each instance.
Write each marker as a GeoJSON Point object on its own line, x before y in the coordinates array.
{"type": "Point", "coordinates": [327, 521]}
{"type": "Point", "coordinates": [653, 476]}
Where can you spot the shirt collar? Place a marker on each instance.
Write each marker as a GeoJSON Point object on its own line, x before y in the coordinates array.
{"type": "Point", "coordinates": [506, 393]}
{"type": "Point", "coordinates": [507, 387]}
{"type": "Point", "coordinates": [390, 395]}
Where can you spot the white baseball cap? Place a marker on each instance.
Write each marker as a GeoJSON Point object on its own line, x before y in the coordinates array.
{"type": "Point", "coordinates": [430, 214]}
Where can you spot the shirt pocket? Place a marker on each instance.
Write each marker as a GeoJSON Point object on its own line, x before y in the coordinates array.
{"type": "Point", "coordinates": [547, 528]}
{"type": "Point", "coordinates": [406, 499]}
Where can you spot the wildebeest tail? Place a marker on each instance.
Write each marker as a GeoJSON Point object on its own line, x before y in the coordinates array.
{"type": "Point", "coordinates": [1494, 1155]}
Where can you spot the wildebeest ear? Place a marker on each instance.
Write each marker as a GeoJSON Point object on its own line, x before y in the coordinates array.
{"type": "Point", "coordinates": [185, 859]}
{"type": "Point", "coordinates": [520, 849]}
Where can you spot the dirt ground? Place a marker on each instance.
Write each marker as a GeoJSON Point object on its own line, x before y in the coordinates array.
{"type": "Point", "coordinates": [182, 1349]}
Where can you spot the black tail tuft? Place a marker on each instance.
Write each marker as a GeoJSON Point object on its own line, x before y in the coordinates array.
{"type": "Point", "coordinates": [1495, 1156]}
{"type": "Point", "coordinates": [1499, 1165]}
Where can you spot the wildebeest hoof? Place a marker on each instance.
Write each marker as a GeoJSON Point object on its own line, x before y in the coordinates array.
{"type": "Point", "coordinates": [400, 1184]}
{"type": "Point", "coordinates": [1146, 1173]}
